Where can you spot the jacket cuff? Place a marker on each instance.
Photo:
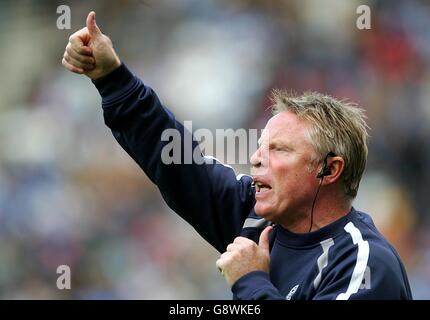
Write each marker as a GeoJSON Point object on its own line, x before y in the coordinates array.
{"type": "Point", "coordinates": [246, 287]}
{"type": "Point", "coordinates": [116, 85]}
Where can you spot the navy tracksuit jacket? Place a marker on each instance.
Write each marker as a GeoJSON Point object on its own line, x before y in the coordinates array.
{"type": "Point", "coordinates": [348, 259]}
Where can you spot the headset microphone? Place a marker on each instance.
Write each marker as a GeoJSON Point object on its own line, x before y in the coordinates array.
{"type": "Point", "coordinates": [325, 171]}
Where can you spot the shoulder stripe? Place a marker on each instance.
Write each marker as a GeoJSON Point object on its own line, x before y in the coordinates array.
{"type": "Point", "coordinates": [323, 260]}
{"type": "Point", "coordinates": [239, 176]}
{"type": "Point", "coordinates": [361, 264]}
{"type": "Point", "coordinates": [211, 159]}
{"type": "Point", "coordinates": [256, 223]}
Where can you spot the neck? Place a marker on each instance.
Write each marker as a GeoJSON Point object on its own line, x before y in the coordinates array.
{"type": "Point", "coordinates": [326, 211]}
{"type": "Point", "coordinates": [329, 214]}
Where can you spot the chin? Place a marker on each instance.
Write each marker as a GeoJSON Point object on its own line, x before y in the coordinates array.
{"type": "Point", "coordinates": [263, 211]}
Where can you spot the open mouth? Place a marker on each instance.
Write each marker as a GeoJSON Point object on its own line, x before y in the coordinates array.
{"type": "Point", "coordinates": [261, 187]}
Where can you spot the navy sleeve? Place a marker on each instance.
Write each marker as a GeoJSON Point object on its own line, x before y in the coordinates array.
{"type": "Point", "coordinates": [381, 277]}
{"type": "Point", "coordinates": [255, 285]}
{"type": "Point", "coordinates": [209, 195]}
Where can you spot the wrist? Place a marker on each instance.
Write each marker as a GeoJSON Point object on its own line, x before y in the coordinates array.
{"type": "Point", "coordinates": [115, 65]}
{"type": "Point", "coordinates": [106, 71]}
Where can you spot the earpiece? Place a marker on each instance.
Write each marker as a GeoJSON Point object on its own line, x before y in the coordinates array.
{"type": "Point", "coordinates": [325, 170]}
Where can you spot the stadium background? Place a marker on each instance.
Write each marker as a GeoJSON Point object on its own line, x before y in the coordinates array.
{"type": "Point", "coordinates": [70, 195]}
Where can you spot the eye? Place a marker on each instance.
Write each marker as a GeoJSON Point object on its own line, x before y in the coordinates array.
{"type": "Point", "coordinates": [279, 148]}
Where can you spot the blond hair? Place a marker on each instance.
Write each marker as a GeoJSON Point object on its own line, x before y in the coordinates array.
{"type": "Point", "coordinates": [336, 126]}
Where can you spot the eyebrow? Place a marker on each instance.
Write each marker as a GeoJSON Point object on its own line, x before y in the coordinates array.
{"type": "Point", "coordinates": [282, 144]}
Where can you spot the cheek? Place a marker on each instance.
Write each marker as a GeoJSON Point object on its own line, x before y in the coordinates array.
{"type": "Point", "coordinates": [285, 175]}
{"type": "Point", "coordinates": [293, 181]}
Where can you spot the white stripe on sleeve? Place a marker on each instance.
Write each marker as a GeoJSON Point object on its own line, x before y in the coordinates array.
{"type": "Point", "coordinates": [211, 159]}
{"type": "Point", "coordinates": [256, 223]}
{"type": "Point", "coordinates": [361, 264]}
{"type": "Point", "coordinates": [323, 260]}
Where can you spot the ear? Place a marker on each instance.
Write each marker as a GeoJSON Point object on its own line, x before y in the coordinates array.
{"type": "Point", "coordinates": [336, 166]}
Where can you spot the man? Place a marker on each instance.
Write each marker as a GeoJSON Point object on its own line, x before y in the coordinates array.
{"type": "Point", "coordinates": [300, 237]}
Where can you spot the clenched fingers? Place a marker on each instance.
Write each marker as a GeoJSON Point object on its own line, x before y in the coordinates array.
{"type": "Point", "coordinates": [243, 241]}
{"type": "Point", "coordinates": [79, 41]}
{"type": "Point", "coordinates": [221, 262]}
{"type": "Point", "coordinates": [72, 68]}
{"type": "Point", "coordinates": [76, 63]}
{"type": "Point", "coordinates": [84, 58]}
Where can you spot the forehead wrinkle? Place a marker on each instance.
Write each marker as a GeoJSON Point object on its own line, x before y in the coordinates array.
{"type": "Point", "coordinates": [288, 132]}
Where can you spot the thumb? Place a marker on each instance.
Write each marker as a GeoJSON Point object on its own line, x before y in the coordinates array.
{"type": "Point", "coordinates": [92, 27]}
{"type": "Point", "coordinates": [263, 242]}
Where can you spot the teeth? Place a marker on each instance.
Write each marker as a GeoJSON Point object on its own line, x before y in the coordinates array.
{"type": "Point", "coordinates": [260, 186]}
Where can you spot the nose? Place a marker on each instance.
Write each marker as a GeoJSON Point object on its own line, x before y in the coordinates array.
{"type": "Point", "coordinates": [256, 158]}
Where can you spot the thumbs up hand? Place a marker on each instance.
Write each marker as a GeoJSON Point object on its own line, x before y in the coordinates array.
{"type": "Point", "coordinates": [244, 256]}
{"type": "Point", "coordinates": [90, 52]}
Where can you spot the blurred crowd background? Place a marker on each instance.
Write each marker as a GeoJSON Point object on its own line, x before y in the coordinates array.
{"type": "Point", "coordinates": [70, 195]}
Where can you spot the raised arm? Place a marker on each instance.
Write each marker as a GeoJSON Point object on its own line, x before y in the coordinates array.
{"type": "Point", "coordinates": [209, 195]}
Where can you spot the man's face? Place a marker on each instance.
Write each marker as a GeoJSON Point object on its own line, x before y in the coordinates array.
{"type": "Point", "coordinates": [284, 179]}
